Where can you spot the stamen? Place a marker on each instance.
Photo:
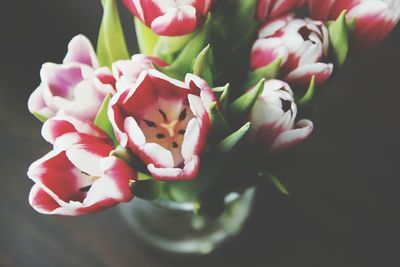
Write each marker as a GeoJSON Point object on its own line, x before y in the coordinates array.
{"type": "Point", "coordinates": [160, 136]}
{"type": "Point", "coordinates": [175, 145]}
{"type": "Point", "coordinates": [182, 116]}
{"type": "Point", "coordinates": [163, 114]}
{"type": "Point", "coordinates": [85, 188]}
{"type": "Point", "coordinates": [150, 123]}
{"type": "Point", "coordinates": [182, 132]}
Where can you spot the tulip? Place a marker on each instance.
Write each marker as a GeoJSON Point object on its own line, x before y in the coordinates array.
{"type": "Point", "coordinates": [301, 44]}
{"type": "Point", "coordinates": [165, 122]}
{"type": "Point", "coordinates": [76, 88]}
{"type": "Point", "coordinates": [78, 176]}
{"type": "Point", "coordinates": [273, 119]}
{"type": "Point", "coordinates": [126, 72]}
{"type": "Point", "coordinates": [169, 17]}
{"type": "Point", "coordinates": [274, 8]}
{"type": "Point", "coordinates": [375, 19]}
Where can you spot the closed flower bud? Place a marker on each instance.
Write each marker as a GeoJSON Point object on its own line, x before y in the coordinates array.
{"type": "Point", "coordinates": [302, 45]}
{"type": "Point", "coordinates": [273, 119]}
{"type": "Point", "coordinates": [374, 19]}
{"type": "Point", "coordinates": [169, 17]}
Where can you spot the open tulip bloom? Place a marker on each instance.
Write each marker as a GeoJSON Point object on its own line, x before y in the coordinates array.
{"type": "Point", "coordinates": [198, 111]}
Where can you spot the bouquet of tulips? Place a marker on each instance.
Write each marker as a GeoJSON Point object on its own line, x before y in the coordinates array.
{"type": "Point", "coordinates": [219, 93]}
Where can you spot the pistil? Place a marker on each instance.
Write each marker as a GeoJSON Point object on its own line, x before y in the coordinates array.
{"type": "Point", "coordinates": [169, 127]}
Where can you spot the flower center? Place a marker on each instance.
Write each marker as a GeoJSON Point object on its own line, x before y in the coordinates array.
{"type": "Point", "coordinates": [166, 125]}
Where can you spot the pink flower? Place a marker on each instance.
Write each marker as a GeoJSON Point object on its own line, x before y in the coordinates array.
{"type": "Point", "coordinates": [126, 72]}
{"type": "Point", "coordinates": [169, 17]}
{"type": "Point", "coordinates": [78, 176]}
{"type": "Point", "coordinates": [273, 119]}
{"type": "Point", "coordinates": [274, 8]}
{"type": "Point", "coordinates": [76, 88]}
{"type": "Point", "coordinates": [375, 19]}
{"type": "Point", "coordinates": [301, 44]}
{"type": "Point", "coordinates": [165, 122]}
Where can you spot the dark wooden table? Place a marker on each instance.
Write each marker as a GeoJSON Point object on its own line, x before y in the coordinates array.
{"type": "Point", "coordinates": [344, 203]}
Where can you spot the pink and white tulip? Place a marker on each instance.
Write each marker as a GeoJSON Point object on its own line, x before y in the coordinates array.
{"type": "Point", "coordinates": [274, 8]}
{"type": "Point", "coordinates": [169, 17]}
{"type": "Point", "coordinates": [78, 176]}
{"type": "Point", "coordinates": [165, 122]}
{"type": "Point", "coordinates": [126, 72]}
{"type": "Point", "coordinates": [76, 88]}
{"type": "Point", "coordinates": [273, 119]}
{"type": "Point", "coordinates": [302, 45]}
{"type": "Point", "coordinates": [375, 19]}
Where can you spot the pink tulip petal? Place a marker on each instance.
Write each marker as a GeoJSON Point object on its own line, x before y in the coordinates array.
{"type": "Point", "coordinates": [176, 21]}
{"type": "Point", "coordinates": [203, 6]}
{"type": "Point", "coordinates": [282, 7]}
{"type": "Point", "coordinates": [87, 157]}
{"type": "Point", "coordinates": [36, 103]}
{"type": "Point", "coordinates": [290, 138]}
{"type": "Point", "coordinates": [263, 8]}
{"type": "Point", "coordinates": [61, 125]}
{"type": "Point", "coordinates": [56, 173]}
{"type": "Point", "coordinates": [320, 9]}
{"type": "Point", "coordinates": [301, 76]}
{"type": "Point", "coordinates": [60, 79]}
{"type": "Point", "coordinates": [41, 201]}
{"type": "Point", "coordinates": [104, 81]}
{"type": "Point", "coordinates": [80, 50]}
{"type": "Point", "coordinates": [271, 27]}
{"type": "Point", "coordinates": [373, 23]}
{"type": "Point", "coordinates": [157, 155]}
{"type": "Point", "coordinates": [113, 186]}
{"type": "Point", "coordinates": [191, 141]}
{"type": "Point", "coordinates": [188, 172]}
{"type": "Point", "coordinates": [266, 51]}
{"type": "Point", "coordinates": [134, 133]}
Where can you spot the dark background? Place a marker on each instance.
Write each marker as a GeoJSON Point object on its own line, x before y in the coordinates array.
{"type": "Point", "coordinates": [344, 203]}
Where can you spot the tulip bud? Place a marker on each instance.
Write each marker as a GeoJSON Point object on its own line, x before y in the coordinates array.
{"type": "Point", "coordinates": [301, 44]}
{"type": "Point", "coordinates": [374, 19]}
{"type": "Point", "coordinates": [273, 119]}
{"type": "Point", "coordinates": [77, 87]}
{"type": "Point", "coordinates": [169, 18]}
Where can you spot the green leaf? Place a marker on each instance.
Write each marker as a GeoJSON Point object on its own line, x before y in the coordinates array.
{"type": "Point", "coordinates": [169, 72]}
{"type": "Point", "coordinates": [40, 117]}
{"type": "Point", "coordinates": [183, 63]}
{"type": "Point", "coordinates": [268, 72]}
{"type": "Point", "coordinates": [145, 189]}
{"type": "Point", "coordinates": [309, 95]}
{"type": "Point", "coordinates": [351, 24]}
{"type": "Point", "coordinates": [111, 45]}
{"type": "Point", "coordinates": [243, 21]}
{"type": "Point", "coordinates": [223, 100]}
{"type": "Point", "coordinates": [188, 191]}
{"type": "Point", "coordinates": [232, 140]}
{"type": "Point", "coordinates": [218, 90]}
{"type": "Point", "coordinates": [204, 64]}
{"type": "Point", "coordinates": [339, 37]}
{"type": "Point", "coordinates": [278, 184]}
{"type": "Point", "coordinates": [219, 125]}
{"type": "Point", "coordinates": [167, 46]}
{"type": "Point", "coordinates": [242, 106]}
{"type": "Point", "coordinates": [102, 120]}
{"type": "Point", "coordinates": [146, 38]}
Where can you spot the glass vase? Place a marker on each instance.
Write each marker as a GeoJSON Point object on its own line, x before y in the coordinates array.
{"type": "Point", "coordinates": [175, 227]}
